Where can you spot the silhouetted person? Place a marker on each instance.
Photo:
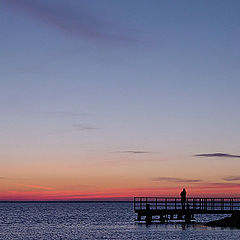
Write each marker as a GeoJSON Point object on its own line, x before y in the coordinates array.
{"type": "Point", "coordinates": [183, 198]}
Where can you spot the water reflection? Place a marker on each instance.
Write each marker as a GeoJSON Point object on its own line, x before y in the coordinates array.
{"type": "Point", "coordinates": [94, 221]}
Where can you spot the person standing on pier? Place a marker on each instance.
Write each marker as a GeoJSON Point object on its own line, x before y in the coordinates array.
{"type": "Point", "coordinates": [183, 198]}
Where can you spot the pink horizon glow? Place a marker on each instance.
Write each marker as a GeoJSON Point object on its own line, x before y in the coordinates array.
{"type": "Point", "coordinates": [120, 194]}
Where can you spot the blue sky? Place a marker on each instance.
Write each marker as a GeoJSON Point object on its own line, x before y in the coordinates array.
{"type": "Point", "coordinates": [85, 78]}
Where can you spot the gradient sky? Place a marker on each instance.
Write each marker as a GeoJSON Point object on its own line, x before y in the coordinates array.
{"type": "Point", "coordinates": [113, 98]}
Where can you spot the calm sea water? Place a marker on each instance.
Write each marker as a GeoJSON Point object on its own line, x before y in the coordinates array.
{"type": "Point", "coordinates": [94, 220]}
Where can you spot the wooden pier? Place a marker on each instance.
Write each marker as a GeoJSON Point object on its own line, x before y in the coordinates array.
{"type": "Point", "coordinates": [173, 209]}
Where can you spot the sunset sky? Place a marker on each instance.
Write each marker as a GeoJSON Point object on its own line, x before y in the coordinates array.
{"type": "Point", "coordinates": [113, 99]}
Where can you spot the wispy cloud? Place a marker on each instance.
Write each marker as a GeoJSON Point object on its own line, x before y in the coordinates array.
{"type": "Point", "coordinates": [3, 178]}
{"type": "Point", "coordinates": [219, 185]}
{"type": "Point", "coordinates": [83, 127]}
{"type": "Point", "coordinates": [218, 155]}
{"type": "Point", "coordinates": [133, 152]}
{"type": "Point", "coordinates": [198, 183]}
{"type": "Point", "coordinates": [175, 180]}
{"type": "Point", "coordinates": [64, 114]}
{"type": "Point", "coordinates": [61, 114]}
{"type": "Point", "coordinates": [232, 178]}
{"type": "Point", "coordinates": [70, 20]}
{"type": "Point", "coordinates": [36, 187]}
{"type": "Point", "coordinates": [58, 113]}
{"type": "Point", "coordinates": [74, 128]}
{"type": "Point", "coordinates": [130, 160]}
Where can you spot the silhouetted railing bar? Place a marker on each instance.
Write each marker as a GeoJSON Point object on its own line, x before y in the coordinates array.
{"type": "Point", "coordinates": [190, 198]}
{"type": "Point", "coordinates": [159, 203]}
{"type": "Point", "coordinates": [171, 208]}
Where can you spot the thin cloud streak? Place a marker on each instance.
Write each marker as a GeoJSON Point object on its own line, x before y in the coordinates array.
{"type": "Point", "coordinates": [35, 186]}
{"type": "Point", "coordinates": [80, 24]}
{"type": "Point", "coordinates": [58, 113]}
{"type": "Point", "coordinates": [175, 180]}
{"type": "Point", "coordinates": [125, 162]}
{"type": "Point", "coordinates": [219, 185]}
{"type": "Point", "coordinates": [232, 178]}
{"type": "Point", "coordinates": [218, 155]}
{"type": "Point", "coordinates": [134, 152]}
{"type": "Point", "coordinates": [83, 127]}
{"type": "Point", "coordinates": [3, 178]}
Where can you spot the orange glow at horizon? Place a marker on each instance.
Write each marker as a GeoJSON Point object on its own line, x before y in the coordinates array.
{"type": "Point", "coordinates": [118, 179]}
{"type": "Point", "coordinates": [119, 194]}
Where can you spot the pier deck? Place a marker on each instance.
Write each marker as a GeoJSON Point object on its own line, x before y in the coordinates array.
{"type": "Point", "coordinates": [173, 209]}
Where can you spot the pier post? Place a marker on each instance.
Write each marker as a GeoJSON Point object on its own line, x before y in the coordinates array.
{"type": "Point", "coordinates": [187, 217]}
{"type": "Point", "coordinates": [162, 219]}
{"type": "Point", "coordinates": [148, 218]}
{"type": "Point", "coordinates": [179, 216]}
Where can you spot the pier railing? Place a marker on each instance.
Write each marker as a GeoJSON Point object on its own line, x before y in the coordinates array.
{"type": "Point", "coordinates": [204, 204]}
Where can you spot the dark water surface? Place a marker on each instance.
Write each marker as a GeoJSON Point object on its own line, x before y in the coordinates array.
{"type": "Point", "coordinates": [95, 220]}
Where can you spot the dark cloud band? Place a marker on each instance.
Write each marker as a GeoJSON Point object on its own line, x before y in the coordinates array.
{"type": "Point", "coordinates": [218, 155]}
{"type": "Point", "coordinates": [134, 152]}
{"type": "Point", "coordinates": [81, 23]}
{"type": "Point", "coordinates": [232, 178]}
{"type": "Point", "coordinates": [176, 180]}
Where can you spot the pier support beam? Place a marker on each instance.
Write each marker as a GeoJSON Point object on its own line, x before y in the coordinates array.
{"type": "Point", "coordinates": [162, 219]}
{"type": "Point", "coordinates": [179, 216]}
{"type": "Point", "coordinates": [187, 218]}
{"type": "Point", "coordinates": [148, 208]}
{"type": "Point", "coordinates": [148, 218]}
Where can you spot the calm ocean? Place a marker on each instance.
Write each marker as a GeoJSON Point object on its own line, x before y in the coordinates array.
{"type": "Point", "coordinates": [94, 220]}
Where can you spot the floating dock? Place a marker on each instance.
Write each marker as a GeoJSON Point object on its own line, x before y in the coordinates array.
{"type": "Point", "coordinates": [167, 209]}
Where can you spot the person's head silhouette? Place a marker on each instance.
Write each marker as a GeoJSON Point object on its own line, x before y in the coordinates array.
{"type": "Point", "coordinates": [183, 193]}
